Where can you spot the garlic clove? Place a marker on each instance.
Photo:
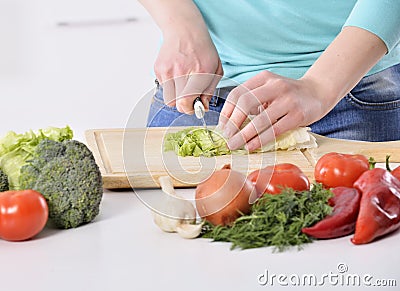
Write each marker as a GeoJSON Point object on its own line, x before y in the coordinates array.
{"type": "Point", "coordinates": [165, 223]}
{"type": "Point", "coordinates": [187, 230]}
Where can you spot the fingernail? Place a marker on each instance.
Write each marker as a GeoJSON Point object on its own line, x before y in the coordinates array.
{"type": "Point", "coordinates": [231, 145]}
{"type": "Point", "coordinates": [234, 143]}
{"type": "Point", "coordinates": [247, 147]}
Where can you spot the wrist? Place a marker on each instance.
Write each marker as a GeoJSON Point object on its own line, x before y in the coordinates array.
{"type": "Point", "coordinates": [323, 88]}
{"type": "Point", "coordinates": [344, 63]}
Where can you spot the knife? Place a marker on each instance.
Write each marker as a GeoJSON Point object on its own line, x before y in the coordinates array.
{"type": "Point", "coordinates": [199, 111]}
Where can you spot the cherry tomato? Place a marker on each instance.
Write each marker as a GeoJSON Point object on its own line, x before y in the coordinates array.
{"type": "Point", "coordinates": [336, 169]}
{"type": "Point", "coordinates": [272, 179]}
{"type": "Point", "coordinates": [23, 214]}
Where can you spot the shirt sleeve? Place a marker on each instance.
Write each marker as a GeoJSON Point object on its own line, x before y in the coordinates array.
{"type": "Point", "coordinates": [381, 17]}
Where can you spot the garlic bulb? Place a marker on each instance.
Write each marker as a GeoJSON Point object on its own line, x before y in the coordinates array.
{"type": "Point", "coordinates": [174, 213]}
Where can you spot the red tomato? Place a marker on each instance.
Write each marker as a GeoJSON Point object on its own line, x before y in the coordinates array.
{"type": "Point", "coordinates": [272, 179]}
{"type": "Point", "coordinates": [336, 169]}
{"type": "Point", "coordinates": [23, 214]}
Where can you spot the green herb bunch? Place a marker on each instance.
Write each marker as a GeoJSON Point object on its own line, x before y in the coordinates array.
{"type": "Point", "coordinates": [275, 220]}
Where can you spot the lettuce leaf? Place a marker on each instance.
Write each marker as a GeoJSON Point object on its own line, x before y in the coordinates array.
{"type": "Point", "coordinates": [196, 142]}
{"type": "Point", "coordinates": [295, 139]}
{"type": "Point", "coordinates": [16, 149]}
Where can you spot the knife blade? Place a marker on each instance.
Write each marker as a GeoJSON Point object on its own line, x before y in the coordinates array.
{"type": "Point", "coordinates": [199, 111]}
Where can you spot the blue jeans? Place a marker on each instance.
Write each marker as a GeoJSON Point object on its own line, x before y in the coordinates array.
{"type": "Point", "coordinates": [370, 112]}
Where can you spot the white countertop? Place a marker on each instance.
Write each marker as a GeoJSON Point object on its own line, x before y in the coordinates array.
{"type": "Point", "coordinates": [124, 250]}
{"type": "Point", "coordinates": [92, 78]}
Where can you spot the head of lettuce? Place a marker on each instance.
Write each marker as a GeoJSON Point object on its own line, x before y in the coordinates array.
{"type": "Point", "coordinates": [17, 149]}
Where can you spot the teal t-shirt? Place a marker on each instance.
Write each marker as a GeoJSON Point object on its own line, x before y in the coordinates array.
{"type": "Point", "coordinates": [287, 36]}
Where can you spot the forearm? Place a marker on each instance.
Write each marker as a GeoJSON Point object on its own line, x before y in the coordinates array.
{"type": "Point", "coordinates": [175, 16]}
{"type": "Point", "coordinates": [345, 62]}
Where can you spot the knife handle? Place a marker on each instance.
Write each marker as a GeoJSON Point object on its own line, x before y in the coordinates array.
{"type": "Point", "coordinates": [198, 108]}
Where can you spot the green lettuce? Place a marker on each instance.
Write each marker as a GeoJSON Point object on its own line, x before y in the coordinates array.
{"type": "Point", "coordinates": [196, 142]}
{"type": "Point", "coordinates": [16, 149]}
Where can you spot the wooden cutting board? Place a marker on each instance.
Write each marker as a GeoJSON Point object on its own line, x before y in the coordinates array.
{"type": "Point", "coordinates": [134, 158]}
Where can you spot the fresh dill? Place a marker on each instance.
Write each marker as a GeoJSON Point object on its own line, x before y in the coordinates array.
{"type": "Point", "coordinates": [275, 220]}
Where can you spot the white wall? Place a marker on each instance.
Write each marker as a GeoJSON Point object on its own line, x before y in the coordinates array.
{"type": "Point", "coordinates": [88, 76]}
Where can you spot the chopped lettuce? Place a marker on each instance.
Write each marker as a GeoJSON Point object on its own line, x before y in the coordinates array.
{"type": "Point", "coordinates": [16, 149]}
{"type": "Point", "coordinates": [196, 142]}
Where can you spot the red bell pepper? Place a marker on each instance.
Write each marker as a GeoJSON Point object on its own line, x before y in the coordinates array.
{"type": "Point", "coordinates": [380, 205]}
{"type": "Point", "coordinates": [342, 220]}
{"type": "Point", "coordinates": [395, 172]}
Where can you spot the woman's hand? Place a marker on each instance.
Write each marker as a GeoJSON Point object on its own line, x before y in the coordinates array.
{"type": "Point", "coordinates": [278, 103]}
{"type": "Point", "coordinates": [287, 103]}
{"type": "Point", "coordinates": [188, 66]}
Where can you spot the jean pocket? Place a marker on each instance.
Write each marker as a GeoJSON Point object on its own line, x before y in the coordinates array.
{"type": "Point", "coordinates": [158, 97]}
{"type": "Point", "coordinates": [380, 91]}
{"type": "Point", "coordinates": [378, 103]}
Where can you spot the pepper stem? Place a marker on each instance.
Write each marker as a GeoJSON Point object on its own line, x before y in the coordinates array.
{"type": "Point", "coordinates": [387, 163]}
{"type": "Point", "coordinates": [372, 163]}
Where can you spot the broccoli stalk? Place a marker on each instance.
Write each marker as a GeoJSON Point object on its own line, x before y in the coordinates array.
{"type": "Point", "coordinates": [69, 178]}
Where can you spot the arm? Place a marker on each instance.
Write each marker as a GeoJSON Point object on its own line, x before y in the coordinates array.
{"type": "Point", "coordinates": [291, 103]}
{"type": "Point", "coordinates": [344, 63]}
{"type": "Point", "coordinates": [188, 64]}
{"type": "Point", "coordinates": [175, 16]}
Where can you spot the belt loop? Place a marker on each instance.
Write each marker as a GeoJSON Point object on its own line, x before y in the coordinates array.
{"type": "Point", "coordinates": [214, 98]}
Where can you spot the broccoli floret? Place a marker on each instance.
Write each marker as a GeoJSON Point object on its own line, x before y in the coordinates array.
{"type": "Point", "coordinates": [45, 151]}
{"type": "Point", "coordinates": [28, 177]}
{"type": "Point", "coordinates": [77, 150]}
{"type": "Point", "coordinates": [3, 182]}
{"type": "Point", "coordinates": [70, 180]}
{"type": "Point", "coordinates": [73, 189]}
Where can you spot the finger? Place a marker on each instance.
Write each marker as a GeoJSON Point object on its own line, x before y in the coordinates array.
{"type": "Point", "coordinates": [195, 86]}
{"type": "Point", "coordinates": [259, 109]}
{"type": "Point", "coordinates": [180, 84]}
{"type": "Point", "coordinates": [284, 124]}
{"type": "Point", "coordinates": [205, 99]}
{"type": "Point", "coordinates": [260, 79]}
{"type": "Point", "coordinates": [253, 83]}
{"type": "Point", "coordinates": [209, 91]}
{"type": "Point", "coordinates": [257, 126]}
{"type": "Point", "coordinates": [247, 103]}
{"type": "Point", "coordinates": [230, 104]}
{"type": "Point", "coordinates": [169, 92]}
